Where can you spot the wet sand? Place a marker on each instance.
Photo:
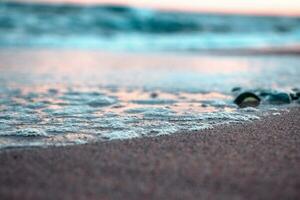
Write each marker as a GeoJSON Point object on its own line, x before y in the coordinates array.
{"type": "Point", "coordinates": [257, 160]}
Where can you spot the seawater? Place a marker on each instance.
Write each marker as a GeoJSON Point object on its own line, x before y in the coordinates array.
{"type": "Point", "coordinates": [132, 29]}
{"type": "Point", "coordinates": [64, 97]}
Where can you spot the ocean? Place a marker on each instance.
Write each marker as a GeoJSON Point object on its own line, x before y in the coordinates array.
{"type": "Point", "coordinates": [133, 29]}
{"type": "Point", "coordinates": [73, 74]}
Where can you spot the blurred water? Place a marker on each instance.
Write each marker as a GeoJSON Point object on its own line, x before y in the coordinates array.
{"type": "Point", "coordinates": [124, 28]}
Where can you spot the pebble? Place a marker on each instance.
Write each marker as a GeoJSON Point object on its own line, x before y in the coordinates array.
{"type": "Point", "coordinates": [236, 89]}
{"type": "Point", "coordinates": [154, 95]}
{"type": "Point", "coordinates": [295, 94]}
{"type": "Point", "coordinates": [247, 99]}
{"type": "Point", "coordinates": [279, 98]}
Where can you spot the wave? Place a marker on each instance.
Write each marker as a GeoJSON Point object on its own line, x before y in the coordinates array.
{"type": "Point", "coordinates": [118, 27]}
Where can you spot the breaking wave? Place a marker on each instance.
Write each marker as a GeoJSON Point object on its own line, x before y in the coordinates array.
{"type": "Point", "coordinates": [125, 28]}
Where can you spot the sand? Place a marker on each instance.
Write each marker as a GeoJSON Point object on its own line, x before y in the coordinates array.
{"type": "Point", "coordinates": [256, 160]}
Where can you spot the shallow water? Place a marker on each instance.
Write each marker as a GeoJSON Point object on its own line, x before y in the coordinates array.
{"type": "Point", "coordinates": [62, 97]}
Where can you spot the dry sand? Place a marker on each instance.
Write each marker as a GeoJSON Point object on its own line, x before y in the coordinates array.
{"type": "Point", "coordinates": [257, 160]}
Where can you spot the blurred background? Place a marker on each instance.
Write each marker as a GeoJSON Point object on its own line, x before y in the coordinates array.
{"type": "Point", "coordinates": [165, 25]}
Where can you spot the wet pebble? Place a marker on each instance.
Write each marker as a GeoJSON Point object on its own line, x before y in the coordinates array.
{"type": "Point", "coordinates": [154, 95]}
{"type": "Point", "coordinates": [247, 99]}
{"type": "Point", "coordinates": [295, 94]}
{"type": "Point", "coordinates": [204, 105]}
{"type": "Point", "coordinates": [52, 91]}
{"type": "Point", "coordinates": [279, 98]}
{"type": "Point", "coordinates": [118, 106]}
{"type": "Point", "coordinates": [236, 89]}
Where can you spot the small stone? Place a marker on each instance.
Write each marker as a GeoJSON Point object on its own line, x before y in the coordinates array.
{"type": "Point", "coordinates": [247, 99]}
{"type": "Point", "coordinates": [236, 89]}
{"type": "Point", "coordinates": [204, 105]}
{"type": "Point", "coordinates": [154, 95]}
{"type": "Point", "coordinates": [118, 106]}
{"type": "Point", "coordinates": [53, 91]}
{"type": "Point", "coordinates": [279, 98]}
{"type": "Point", "coordinates": [295, 94]}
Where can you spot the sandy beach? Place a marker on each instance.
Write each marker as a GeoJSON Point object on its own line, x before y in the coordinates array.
{"type": "Point", "coordinates": [255, 160]}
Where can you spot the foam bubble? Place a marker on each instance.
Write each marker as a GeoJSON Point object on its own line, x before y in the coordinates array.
{"type": "Point", "coordinates": [26, 132]}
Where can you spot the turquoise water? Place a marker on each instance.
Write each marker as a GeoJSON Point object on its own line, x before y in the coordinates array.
{"type": "Point", "coordinates": [131, 29]}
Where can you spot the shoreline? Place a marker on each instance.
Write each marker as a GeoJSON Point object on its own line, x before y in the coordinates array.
{"type": "Point", "coordinates": [256, 160]}
{"type": "Point", "coordinates": [226, 52]}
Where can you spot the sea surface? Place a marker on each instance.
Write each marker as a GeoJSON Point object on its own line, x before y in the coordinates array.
{"type": "Point", "coordinates": [125, 28]}
{"type": "Point", "coordinates": [72, 75]}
